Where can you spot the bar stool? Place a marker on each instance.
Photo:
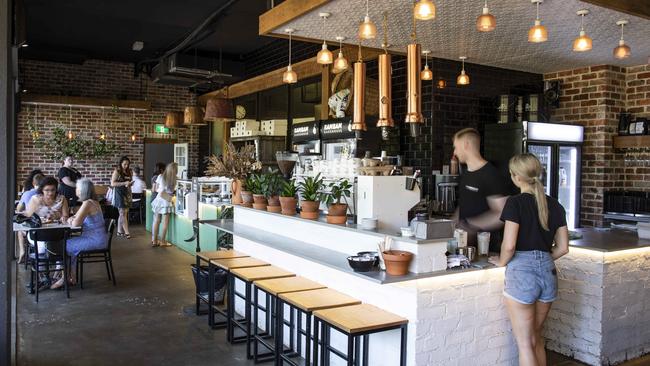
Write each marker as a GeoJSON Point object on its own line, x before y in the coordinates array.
{"type": "Point", "coordinates": [356, 322]}
{"type": "Point", "coordinates": [229, 264]}
{"type": "Point", "coordinates": [248, 275]}
{"type": "Point", "coordinates": [272, 289]}
{"type": "Point", "coordinates": [209, 300]}
{"type": "Point", "coordinates": [305, 303]}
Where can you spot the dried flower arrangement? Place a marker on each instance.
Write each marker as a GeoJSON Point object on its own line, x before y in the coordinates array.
{"type": "Point", "coordinates": [233, 163]}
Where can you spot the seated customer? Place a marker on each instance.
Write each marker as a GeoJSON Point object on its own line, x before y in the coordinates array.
{"type": "Point", "coordinates": [139, 185]}
{"type": "Point", "coordinates": [91, 219]}
{"type": "Point", "coordinates": [24, 200]}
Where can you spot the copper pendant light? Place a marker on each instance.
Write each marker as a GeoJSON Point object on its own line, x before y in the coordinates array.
{"type": "Point", "coordinates": [341, 63]}
{"type": "Point", "coordinates": [385, 121]}
{"type": "Point", "coordinates": [424, 10]}
{"type": "Point", "coordinates": [324, 56]}
{"type": "Point", "coordinates": [623, 50]}
{"type": "Point", "coordinates": [289, 76]}
{"type": "Point", "coordinates": [426, 73]}
{"type": "Point", "coordinates": [463, 78]}
{"type": "Point", "coordinates": [359, 103]}
{"type": "Point", "coordinates": [367, 29]}
{"type": "Point", "coordinates": [486, 22]}
{"type": "Point", "coordinates": [193, 116]}
{"type": "Point", "coordinates": [174, 119]}
{"type": "Point", "coordinates": [218, 109]}
{"type": "Point", "coordinates": [537, 33]}
{"type": "Point", "coordinates": [583, 42]}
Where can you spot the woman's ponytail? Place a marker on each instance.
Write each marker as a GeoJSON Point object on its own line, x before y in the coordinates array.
{"type": "Point", "coordinates": [542, 204]}
{"type": "Point", "coordinates": [528, 167]}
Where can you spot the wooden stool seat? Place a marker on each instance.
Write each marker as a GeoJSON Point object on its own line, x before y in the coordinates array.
{"type": "Point", "coordinates": [290, 284]}
{"type": "Point", "coordinates": [359, 318]}
{"type": "Point", "coordinates": [232, 263]}
{"type": "Point", "coordinates": [220, 254]}
{"type": "Point", "coordinates": [261, 273]}
{"type": "Point", "coordinates": [313, 300]}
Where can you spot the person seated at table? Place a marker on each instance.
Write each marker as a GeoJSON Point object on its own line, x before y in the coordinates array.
{"type": "Point", "coordinates": [91, 219]}
{"type": "Point", "coordinates": [49, 205]}
{"type": "Point", "coordinates": [24, 200]}
{"type": "Point", "coordinates": [139, 184]}
{"type": "Point", "coordinates": [28, 183]}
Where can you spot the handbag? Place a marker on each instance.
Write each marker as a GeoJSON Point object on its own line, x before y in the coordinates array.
{"type": "Point", "coordinates": [33, 221]}
{"type": "Point", "coordinates": [110, 194]}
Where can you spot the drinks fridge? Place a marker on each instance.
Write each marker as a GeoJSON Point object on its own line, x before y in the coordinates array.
{"type": "Point", "coordinates": [558, 148]}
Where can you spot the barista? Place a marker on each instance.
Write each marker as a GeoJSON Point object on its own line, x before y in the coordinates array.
{"type": "Point", "coordinates": [482, 190]}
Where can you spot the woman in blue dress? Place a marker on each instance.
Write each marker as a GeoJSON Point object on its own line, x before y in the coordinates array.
{"type": "Point", "coordinates": [91, 219]}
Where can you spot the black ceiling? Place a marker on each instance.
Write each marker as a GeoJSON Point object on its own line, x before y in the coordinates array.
{"type": "Point", "coordinates": [75, 30]}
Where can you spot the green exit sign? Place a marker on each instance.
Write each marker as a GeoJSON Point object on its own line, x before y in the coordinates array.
{"type": "Point", "coordinates": [161, 129]}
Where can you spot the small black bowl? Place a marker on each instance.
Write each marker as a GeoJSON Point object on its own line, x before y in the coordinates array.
{"type": "Point", "coordinates": [361, 263]}
{"type": "Point", "coordinates": [370, 254]}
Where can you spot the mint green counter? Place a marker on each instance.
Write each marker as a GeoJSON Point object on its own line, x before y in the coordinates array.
{"type": "Point", "coordinates": [180, 227]}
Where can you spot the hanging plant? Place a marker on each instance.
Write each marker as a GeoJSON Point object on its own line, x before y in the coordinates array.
{"type": "Point", "coordinates": [59, 146]}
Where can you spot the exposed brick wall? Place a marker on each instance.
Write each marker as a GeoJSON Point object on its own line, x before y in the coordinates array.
{"type": "Point", "coordinates": [99, 79]}
{"type": "Point", "coordinates": [594, 97]}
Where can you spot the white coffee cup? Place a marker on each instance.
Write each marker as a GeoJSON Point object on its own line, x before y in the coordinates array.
{"type": "Point", "coordinates": [483, 239]}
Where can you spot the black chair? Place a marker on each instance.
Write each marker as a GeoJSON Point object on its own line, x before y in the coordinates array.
{"type": "Point", "coordinates": [98, 256]}
{"type": "Point", "coordinates": [137, 208]}
{"type": "Point", "coordinates": [55, 240]}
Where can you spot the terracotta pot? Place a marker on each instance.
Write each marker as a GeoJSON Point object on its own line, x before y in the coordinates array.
{"type": "Point", "coordinates": [245, 204]}
{"type": "Point", "coordinates": [397, 262]}
{"type": "Point", "coordinates": [336, 220]}
{"type": "Point", "coordinates": [288, 205]}
{"type": "Point", "coordinates": [338, 209]}
{"type": "Point", "coordinates": [259, 199]}
{"type": "Point", "coordinates": [259, 206]}
{"type": "Point", "coordinates": [274, 201]}
{"type": "Point", "coordinates": [274, 209]}
{"type": "Point", "coordinates": [247, 198]}
{"type": "Point", "coordinates": [309, 209]}
{"type": "Point", "coordinates": [236, 192]}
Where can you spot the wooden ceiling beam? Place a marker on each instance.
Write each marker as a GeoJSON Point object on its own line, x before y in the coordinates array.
{"type": "Point", "coordinates": [639, 8]}
{"type": "Point", "coordinates": [286, 12]}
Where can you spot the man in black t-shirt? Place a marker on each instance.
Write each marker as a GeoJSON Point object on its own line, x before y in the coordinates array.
{"type": "Point", "coordinates": [481, 192]}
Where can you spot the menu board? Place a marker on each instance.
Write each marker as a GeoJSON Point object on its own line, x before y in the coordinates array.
{"type": "Point", "coordinates": [307, 131]}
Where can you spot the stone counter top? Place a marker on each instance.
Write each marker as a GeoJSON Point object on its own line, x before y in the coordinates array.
{"type": "Point", "coordinates": [608, 240]}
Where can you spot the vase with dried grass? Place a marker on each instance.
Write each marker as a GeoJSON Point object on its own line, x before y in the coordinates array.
{"type": "Point", "coordinates": [235, 164]}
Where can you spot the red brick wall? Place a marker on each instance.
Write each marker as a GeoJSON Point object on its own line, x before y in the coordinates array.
{"type": "Point", "coordinates": [593, 97]}
{"type": "Point", "coordinates": [100, 79]}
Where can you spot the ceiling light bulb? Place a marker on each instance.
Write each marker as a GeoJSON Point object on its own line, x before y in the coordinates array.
{"type": "Point", "coordinates": [289, 76]}
{"type": "Point", "coordinates": [623, 50]}
{"type": "Point", "coordinates": [463, 78]}
{"type": "Point", "coordinates": [341, 63]}
{"type": "Point", "coordinates": [424, 10]}
{"type": "Point", "coordinates": [367, 29]}
{"type": "Point", "coordinates": [582, 43]}
{"type": "Point", "coordinates": [426, 73]}
{"type": "Point", "coordinates": [537, 33]}
{"type": "Point", "coordinates": [70, 135]}
{"type": "Point", "coordinates": [102, 136]}
{"type": "Point", "coordinates": [324, 56]}
{"type": "Point", "coordinates": [486, 22]}
{"type": "Point", "coordinates": [133, 137]}
{"type": "Point", "coordinates": [441, 84]}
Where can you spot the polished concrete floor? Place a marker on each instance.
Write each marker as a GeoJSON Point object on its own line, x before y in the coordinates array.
{"type": "Point", "coordinates": [147, 319]}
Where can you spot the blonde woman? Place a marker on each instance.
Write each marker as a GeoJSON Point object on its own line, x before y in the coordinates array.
{"type": "Point", "coordinates": [535, 236]}
{"type": "Point", "coordinates": [162, 205]}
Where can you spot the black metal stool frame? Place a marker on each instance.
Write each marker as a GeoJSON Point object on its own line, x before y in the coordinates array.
{"type": "Point", "coordinates": [283, 357]}
{"type": "Point", "coordinates": [354, 344]}
{"type": "Point", "coordinates": [276, 315]}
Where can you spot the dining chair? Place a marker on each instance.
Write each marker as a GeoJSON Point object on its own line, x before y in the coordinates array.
{"type": "Point", "coordinates": [98, 256]}
{"type": "Point", "coordinates": [55, 255]}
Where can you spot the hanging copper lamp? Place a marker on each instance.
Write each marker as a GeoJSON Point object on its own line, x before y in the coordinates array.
{"type": "Point", "coordinates": [414, 115]}
{"type": "Point", "coordinates": [359, 103]}
{"type": "Point", "coordinates": [385, 121]}
{"type": "Point", "coordinates": [174, 119]}
{"type": "Point", "coordinates": [193, 116]}
{"type": "Point", "coordinates": [218, 109]}
{"type": "Point", "coordinates": [622, 50]}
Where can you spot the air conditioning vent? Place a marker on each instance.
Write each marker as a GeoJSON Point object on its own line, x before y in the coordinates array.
{"type": "Point", "coordinates": [185, 70]}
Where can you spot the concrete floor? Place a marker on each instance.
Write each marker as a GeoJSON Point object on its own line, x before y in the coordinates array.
{"type": "Point", "coordinates": [147, 319]}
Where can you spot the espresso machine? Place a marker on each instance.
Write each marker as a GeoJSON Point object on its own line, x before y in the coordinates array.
{"type": "Point", "coordinates": [446, 193]}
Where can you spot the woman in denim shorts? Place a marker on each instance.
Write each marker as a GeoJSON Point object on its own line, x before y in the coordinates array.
{"type": "Point", "coordinates": [534, 222]}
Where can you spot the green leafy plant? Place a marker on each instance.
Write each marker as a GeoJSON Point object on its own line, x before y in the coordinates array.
{"type": "Point", "coordinates": [259, 184]}
{"type": "Point", "coordinates": [273, 184]}
{"type": "Point", "coordinates": [289, 189]}
{"type": "Point", "coordinates": [59, 146]}
{"type": "Point", "coordinates": [310, 188]}
{"type": "Point", "coordinates": [338, 190]}
{"type": "Point", "coordinates": [248, 183]}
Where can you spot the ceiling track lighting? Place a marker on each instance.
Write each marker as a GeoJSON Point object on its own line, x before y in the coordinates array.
{"type": "Point", "coordinates": [537, 33]}
{"type": "Point", "coordinates": [583, 42]}
{"type": "Point", "coordinates": [324, 56]}
{"type": "Point", "coordinates": [622, 51]}
{"type": "Point", "coordinates": [426, 73]}
{"type": "Point", "coordinates": [367, 29]}
{"type": "Point", "coordinates": [424, 10]}
{"type": "Point", "coordinates": [486, 22]}
{"type": "Point", "coordinates": [341, 63]}
{"type": "Point", "coordinates": [289, 76]}
{"type": "Point", "coordinates": [463, 78]}
{"type": "Point", "coordinates": [385, 121]}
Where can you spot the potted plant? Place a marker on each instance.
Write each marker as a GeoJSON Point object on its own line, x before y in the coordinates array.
{"type": "Point", "coordinates": [310, 189]}
{"type": "Point", "coordinates": [236, 165]}
{"type": "Point", "coordinates": [288, 198]}
{"type": "Point", "coordinates": [274, 187]}
{"type": "Point", "coordinates": [337, 211]}
{"type": "Point", "coordinates": [246, 191]}
{"type": "Point", "coordinates": [259, 188]}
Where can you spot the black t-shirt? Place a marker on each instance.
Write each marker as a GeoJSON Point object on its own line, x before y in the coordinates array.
{"type": "Point", "coordinates": [522, 209]}
{"type": "Point", "coordinates": [64, 189]}
{"type": "Point", "coordinates": [476, 187]}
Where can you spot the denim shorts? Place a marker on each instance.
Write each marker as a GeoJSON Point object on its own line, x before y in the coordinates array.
{"type": "Point", "coordinates": [531, 276]}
